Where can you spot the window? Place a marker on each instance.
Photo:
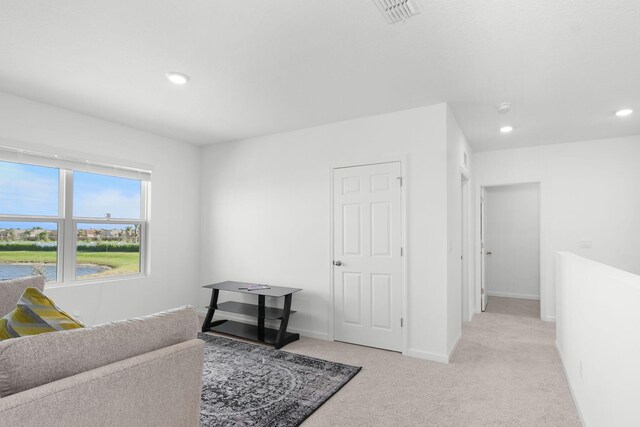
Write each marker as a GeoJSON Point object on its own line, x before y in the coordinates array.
{"type": "Point", "coordinates": [70, 225]}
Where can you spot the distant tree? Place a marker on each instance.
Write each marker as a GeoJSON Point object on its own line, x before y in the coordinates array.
{"type": "Point", "coordinates": [42, 236]}
{"type": "Point", "coordinates": [11, 234]}
{"type": "Point", "coordinates": [98, 234]}
{"type": "Point", "coordinates": [82, 234]}
{"type": "Point", "coordinates": [28, 233]}
{"type": "Point", "coordinates": [128, 231]}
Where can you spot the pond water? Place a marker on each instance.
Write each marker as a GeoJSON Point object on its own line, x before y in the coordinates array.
{"type": "Point", "coordinates": [11, 271]}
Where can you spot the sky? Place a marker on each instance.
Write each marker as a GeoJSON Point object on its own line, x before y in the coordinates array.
{"type": "Point", "coordinates": [33, 190]}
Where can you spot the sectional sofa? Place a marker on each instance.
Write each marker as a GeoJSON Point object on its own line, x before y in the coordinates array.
{"type": "Point", "coordinates": [137, 372]}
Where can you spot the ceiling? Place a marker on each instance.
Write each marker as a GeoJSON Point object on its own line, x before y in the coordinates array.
{"type": "Point", "coordinates": [265, 66]}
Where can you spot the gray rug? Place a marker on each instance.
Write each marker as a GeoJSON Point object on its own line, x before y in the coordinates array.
{"type": "Point", "coordinates": [252, 385]}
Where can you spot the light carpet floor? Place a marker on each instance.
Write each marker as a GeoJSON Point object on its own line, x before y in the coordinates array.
{"type": "Point", "coordinates": [514, 306]}
{"type": "Point", "coordinates": [504, 372]}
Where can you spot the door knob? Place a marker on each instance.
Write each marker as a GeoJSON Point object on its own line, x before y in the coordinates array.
{"type": "Point", "coordinates": [337, 263]}
{"type": "Point", "coordinates": [489, 253]}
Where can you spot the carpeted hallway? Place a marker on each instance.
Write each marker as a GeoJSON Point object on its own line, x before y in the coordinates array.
{"type": "Point", "coordinates": [514, 306]}
{"type": "Point", "coordinates": [505, 371]}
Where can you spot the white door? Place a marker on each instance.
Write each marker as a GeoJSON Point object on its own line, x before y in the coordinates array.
{"type": "Point", "coordinates": [484, 297]}
{"type": "Point", "coordinates": [367, 260]}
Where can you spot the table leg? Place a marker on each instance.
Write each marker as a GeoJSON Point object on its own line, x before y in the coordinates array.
{"type": "Point", "coordinates": [280, 339]}
{"type": "Point", "coordinates": [261, 315]}
{"type": "Point", "coordinates": [212, 309]}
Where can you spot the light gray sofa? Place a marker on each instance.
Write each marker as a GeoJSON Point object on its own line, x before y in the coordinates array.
{"type": "Point", "coordinates": [138, 372]}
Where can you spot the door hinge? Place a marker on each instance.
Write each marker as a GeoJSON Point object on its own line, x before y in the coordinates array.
{"type": "Point", "coordinates": [402, 251]}
{"type": "Point", "coordinates": [482, 291]}
{"type": "Point", "coordinates": [400, 180]}
{"type": "Point", "coordinates": [401, 322]}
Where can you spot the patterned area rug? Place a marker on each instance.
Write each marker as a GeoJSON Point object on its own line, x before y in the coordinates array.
{"type": "Point", "coordinates": [251, 385]}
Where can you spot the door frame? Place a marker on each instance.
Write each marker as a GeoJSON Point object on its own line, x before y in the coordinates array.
{"type": "Point", "coordinates": [404, 303]}
{"type": "Point", "coordinates": [478, 250]}
{"type": "Point", "coordinates": [468, 306]}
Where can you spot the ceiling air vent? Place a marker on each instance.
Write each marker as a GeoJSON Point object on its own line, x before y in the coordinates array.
{"type": "Point", "coordinates": [397, 10]}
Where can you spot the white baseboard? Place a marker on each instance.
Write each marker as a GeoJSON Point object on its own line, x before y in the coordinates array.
{"type": "Point", "coordinates": [427, 355]}
{"type": "Point", "coordinates": [452, 348]}
{"type": "Point", "coordinates": [573, 396]}
{"type": "Point", "coordinates": [310, 334]}
{"type": "Point", "coordinates": [471, 314]}
{"type": "Point", "coordinates": [513, 295]}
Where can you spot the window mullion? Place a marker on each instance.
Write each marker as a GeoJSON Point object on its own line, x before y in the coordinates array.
{"type": "Point", "coordinates": [144, 215]}
{"type": "Point", "coordinates": [69, 243]}
{"type": "Point", "coordinates": [61, 227]}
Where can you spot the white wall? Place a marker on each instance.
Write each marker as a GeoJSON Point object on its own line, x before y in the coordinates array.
{"type": "Point", "coordinates": [598, 324]}
{"type": "Point", "coordinates": [174, 233]}
{"type": "Point", "coordinates": [589, 191]}
{"type": "Point", "coordinates": [513, 236]}
{"type": "Point", "coordinates": [457, 146]}
{"type": "Point", "coordinates": [266, 210]}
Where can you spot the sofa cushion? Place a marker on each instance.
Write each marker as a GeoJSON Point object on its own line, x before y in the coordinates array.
{"type": "Point", "coordinates": [35, 314]}
{"type": "Point", "coordinates": [28, 362]}
{"type": "Point", "coordinates": [10, 291]}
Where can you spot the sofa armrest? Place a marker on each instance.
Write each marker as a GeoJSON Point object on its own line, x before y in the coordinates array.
{"type": "Point", "coordinates": [162, 387]}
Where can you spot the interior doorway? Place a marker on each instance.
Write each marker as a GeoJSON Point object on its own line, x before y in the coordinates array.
{"type": "Point", "coordinates": [510, 237]}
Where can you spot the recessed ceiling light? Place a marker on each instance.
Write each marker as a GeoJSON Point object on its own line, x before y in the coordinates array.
{"type": "Point", "coordinates": [624, 113]}
{"type": "Point", "coordinates": [506, 129]}
{"type": "Point", "coordinates": [177, 78]}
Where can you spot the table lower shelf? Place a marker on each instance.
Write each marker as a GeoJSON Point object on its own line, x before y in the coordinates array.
{"type": "Point", "coordinates": [250, 332]}
{"type": "Point", "coordinates": [252, 310]}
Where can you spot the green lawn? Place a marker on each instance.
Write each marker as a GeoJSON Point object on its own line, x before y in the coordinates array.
{"type": "Point", "coordinates": [27, 256]}
{"type": "Point", "coordinates": [120, 262]}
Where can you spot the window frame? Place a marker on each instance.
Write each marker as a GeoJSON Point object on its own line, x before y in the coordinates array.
{"type": "Point", "coordinates": [66, 253]}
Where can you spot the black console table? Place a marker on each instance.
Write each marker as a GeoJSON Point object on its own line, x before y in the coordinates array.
{"type": "Point", "coordinates": [279, 338]}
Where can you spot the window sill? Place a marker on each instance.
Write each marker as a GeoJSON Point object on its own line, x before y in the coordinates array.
{"type": "Point", "coordinates": [97, 281]}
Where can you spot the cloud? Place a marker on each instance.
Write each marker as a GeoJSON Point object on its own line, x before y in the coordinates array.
{"type": "Point", "coordinates": [33, 190]}
{"type": "Point", "coordinates": [28, 190]}
{"type": "Point", "coordinates": [96, 204]}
